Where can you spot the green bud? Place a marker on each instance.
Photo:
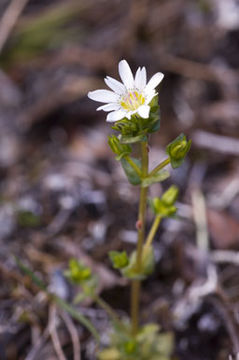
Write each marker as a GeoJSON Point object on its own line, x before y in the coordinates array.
{"type": "Point", "coordinates": [164, 206]}
{"type": "Point", "coordinates": [146, 268]}
{"type": "Point", "coordinates": [119, 259]}
{"type": "Point", "coordinates": [177, 150]}
{"type": "Point", "coordinates": [127, 127]}
{"type": "Point", "coordinates": [118, 148]}
{"type": "Point", "coordinates": [77, 272]}
{"type": "Point", "coordinates": [170, 196]}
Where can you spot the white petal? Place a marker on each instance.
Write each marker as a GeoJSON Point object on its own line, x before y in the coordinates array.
{"type": "Point", "coordinates": [109, 107]}
{"type": "Point", "coordinates": [137, 80]}
{"type": "Point", "coordinates": [143, 111]}
{"type": "Point", "coordinates": [104, 96]}
{"type": "Point", "coordinates": [115, 85]}
{"type": "Point", "coordinates": [154, 81]}
{"type": "Point", "coordinates": [126, 74]}
{"type": "Point", "coordinates": [143, 78]}
{"type": "Point", "coordinates": [129, 114]}
{"type": "Point", "coordinates": [150, 96]}
{"type": "Point", "coordinates": [115, 115]}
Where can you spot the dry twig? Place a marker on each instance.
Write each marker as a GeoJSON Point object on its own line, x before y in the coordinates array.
{"type": "Point", "coordinates": [53, 333]}
{"type": "Point", "coordinates": [74, 335]}
{"type": "Point", "coordinates": [9, 19]}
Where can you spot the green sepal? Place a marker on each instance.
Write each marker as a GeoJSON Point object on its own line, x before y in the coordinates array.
{"type": "Point", "coordinates": [147, 265]}
{"type": "Point", "coordinates": [154, 115]}
{"type": "Point", "coordinates": [119, 259]}
{"type": "Point", "coordinates": [121, 150]}
{"type": "Point", "coordinates": [160, 176]}
{"type": "Point", "coordinates": [170, 196]}
{"type": "Point", "coordinates": [177, 150]}
{"type": "Point", "coordinates": [136, 128]}
{"type": "Point", "coordinates": [131, 174]}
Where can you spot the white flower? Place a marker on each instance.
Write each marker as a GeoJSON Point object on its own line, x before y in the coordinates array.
{"type": "Point", "coordinates": [127, 98]}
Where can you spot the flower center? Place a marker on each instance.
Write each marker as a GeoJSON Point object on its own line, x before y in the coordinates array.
{"type": "Point", "coordinates": [132, 100]}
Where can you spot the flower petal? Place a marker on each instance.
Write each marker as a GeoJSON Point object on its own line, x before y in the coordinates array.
{"type": "Point", "coordinates": [104, 96]}
{"type": "Point", "coordinates": [115, 85]}
{"type": "Point", "coordinates": [137, 80]}
{"type": "Point", "coordinates": [143, 111]}
{"type": "Point", "coordinates": [143, 79]}
{"type": "Point", "coordinates": [109, 107]}
{"type": "Point", "coordinates": [115, 115]}
{"type": "Point", "coordinates": [150, 96]}
{"type": "Point", "coordinates": [126, 74]}
{"type": "Point", "coordinates": [154, 81]}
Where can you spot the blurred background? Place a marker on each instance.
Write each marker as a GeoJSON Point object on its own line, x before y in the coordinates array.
{"type": "Point", "coordinates": [62, 194]}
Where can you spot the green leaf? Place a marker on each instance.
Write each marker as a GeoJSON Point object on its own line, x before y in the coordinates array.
{"type": "Point", "coordinates": [125, 139]}
{"type": "Point", "coordinates": [160, 176]}
{"type": "Point", "coordinates": [131, 174]}
{"type": "Point", "coordinates": [26, 270]}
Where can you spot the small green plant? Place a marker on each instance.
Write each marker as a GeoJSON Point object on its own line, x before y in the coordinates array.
{"type": "Point", "coordinates": [133, 108]}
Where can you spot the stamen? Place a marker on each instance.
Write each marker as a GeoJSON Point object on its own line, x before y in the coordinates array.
{"type": "Point", "coordinates": [132, 100]}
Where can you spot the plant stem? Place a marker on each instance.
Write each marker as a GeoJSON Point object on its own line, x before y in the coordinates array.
{"type": "Point", "coordinates": [153, 230]}
{"type": "Point", "coordinates": [159, 167]}
{"type": "Point", "coordinates": [135, 290]}
{"type": "Point", "coordinates": [133, 165]}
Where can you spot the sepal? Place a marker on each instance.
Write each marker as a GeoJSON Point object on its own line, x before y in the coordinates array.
{"type": "Point", "coordinates": [136, 128]}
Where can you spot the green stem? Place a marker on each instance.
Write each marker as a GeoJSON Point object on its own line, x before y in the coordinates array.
{"type": "Point", "coordinates": [133, 165]}
{"type": "Point", "coordinates": [135, 290]}
{"type": "Point", "coordinates": [159, 167]}
{"type": "Point", "coordinates": [153, 230]}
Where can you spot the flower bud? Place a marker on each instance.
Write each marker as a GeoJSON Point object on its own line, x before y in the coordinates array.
{"type": "Point", "coordinates": [164, 206]}
{"type": "Point", "coordinates": [118, 148]}
{"type": "Point", "coordinates": [78, 273]}
{"type": "Point", "coordinates": [119, 259]}
{"type": "Point", "coordinates": [177, 150]}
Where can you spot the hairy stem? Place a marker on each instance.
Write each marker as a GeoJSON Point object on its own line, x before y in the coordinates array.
{"type": "Point", "coordinates": [135, 290]}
